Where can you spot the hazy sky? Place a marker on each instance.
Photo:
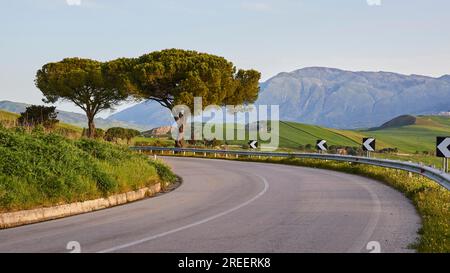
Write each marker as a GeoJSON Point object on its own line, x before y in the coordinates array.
{"type": "Point", "coordinates": [405, 36]}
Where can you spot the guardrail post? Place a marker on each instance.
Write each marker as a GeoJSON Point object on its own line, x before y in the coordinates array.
{"type": "Point", "coordinates": [204, 154]}
{"type": "Point", "coordinates": [154, 156]}
{"type": "Point", "coordinates": [184, 152]}
{"type": "Point", "coordinates": [237, 156]}
{"type": "Point", "coordinates": [215, 155]}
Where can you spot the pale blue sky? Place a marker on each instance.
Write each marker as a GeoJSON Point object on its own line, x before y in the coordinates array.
{"type": "Point", "coordinates": [405, 36]}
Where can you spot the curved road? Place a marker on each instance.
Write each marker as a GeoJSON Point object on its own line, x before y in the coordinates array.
{"type": "Point", "coordinates": [230, 206]}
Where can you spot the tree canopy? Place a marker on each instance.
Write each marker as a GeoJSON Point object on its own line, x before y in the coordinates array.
{"type": "Point", "coordinates": [170, 77]}
{"type": "Point", "coordinates": [91, 85]}
{"type": "Point", "coordinates": [176, 76]}
{"type": "Point", "coordinates": [115, 133]}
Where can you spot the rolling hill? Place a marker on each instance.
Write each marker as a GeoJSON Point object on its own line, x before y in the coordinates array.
{"type": "Point", "coordinates": [75, 119]}
{"type": "Point", "coordinates": [401, 133]}
{"type": "Point", "coordinates": [292, 135]}
{"type": "Point", "coordinates": [9, 119]}
{"type": "Point", "coordinates": [412, 137]}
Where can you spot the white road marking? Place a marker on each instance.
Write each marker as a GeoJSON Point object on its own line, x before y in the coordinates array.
{"type": "Point", "coordinates": [119, 247]}
{"type": "Point", "coordinates": [362, 240]}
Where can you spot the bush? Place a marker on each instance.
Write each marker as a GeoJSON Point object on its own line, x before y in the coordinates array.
{"type": "Point", "coordinates": [39, 115]}
{"type": "Point", "coordinates": [116, 133]}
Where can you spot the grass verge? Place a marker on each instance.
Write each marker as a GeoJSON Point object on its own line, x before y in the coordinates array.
{"type": "Point", "coordinates": [41, 170]}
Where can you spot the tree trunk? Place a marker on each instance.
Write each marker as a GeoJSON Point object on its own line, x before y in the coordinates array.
{"type": "Point", "coordinates": [181, 121]}
{"type": "Point", "coordinates": [91, 127]}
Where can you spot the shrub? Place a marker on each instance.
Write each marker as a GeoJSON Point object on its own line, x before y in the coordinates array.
{"type": "Point", "coordinates": [39, 115]}
{"type": "Point", "coordinates": [116, 133]}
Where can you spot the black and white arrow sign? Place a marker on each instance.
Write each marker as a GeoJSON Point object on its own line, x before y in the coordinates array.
{"type": "Point", "coordinates": [253, 144]}
{"type": "Point", "coordinates": [322, 145]}
{"type": "Point", "coordinates": [369, 144]}
{"type": "Point", "coordinates": [443, 147]}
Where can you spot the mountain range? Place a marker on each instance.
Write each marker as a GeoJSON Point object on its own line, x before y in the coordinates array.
{"type": "Point", "coordinates": [73, 118]}
{"type": "Point", "coordinates": [333, 98]}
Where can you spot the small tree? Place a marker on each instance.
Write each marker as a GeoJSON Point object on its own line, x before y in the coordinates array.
{"type": "Point", "coordinates": [115, 133]}
{"type": "Point", "coordinates": [91, 85]}
{"type": "Point", "coordinates": [39, 115]}
{"type": "Point", "coordinates": [131, 133]}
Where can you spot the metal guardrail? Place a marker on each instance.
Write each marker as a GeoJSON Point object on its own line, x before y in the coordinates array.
{"type": "Point", "coordinates": [434, 174]}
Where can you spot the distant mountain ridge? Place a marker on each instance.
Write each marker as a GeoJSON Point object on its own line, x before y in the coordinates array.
{"type": "Point", "coordinates": [344, 99]}
{"type": "Point", "coordinates": [73, 118]}
{"type": "Point", "coordinates": [333, 98]}
{"type": "Point", "coordinates": [149, 113]}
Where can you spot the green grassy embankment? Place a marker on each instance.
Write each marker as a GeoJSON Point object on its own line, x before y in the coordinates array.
{"type": "Point", "coordinates": [39, 170]}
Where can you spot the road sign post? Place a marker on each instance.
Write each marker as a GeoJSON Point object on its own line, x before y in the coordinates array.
{"type": "Point", "coordinates": [253, 144]}
{"type": "Point", "coordinates": [443, 150]}
{"type": "Point", "coordinates": [321, 145]}
{"type": "Point", "coordinates": [368, 145]}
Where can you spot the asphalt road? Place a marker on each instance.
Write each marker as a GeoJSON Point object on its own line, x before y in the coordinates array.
{"type": "Point", "coordinates": [230, 206]}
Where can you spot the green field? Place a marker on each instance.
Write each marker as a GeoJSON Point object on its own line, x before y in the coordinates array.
{"type": "Point", "coordinates": [292, 135]}
{"type": "Point", "coordinates": [415, 138]}
{"type": "Point", "coordinates": [7, 116]}
{"type": "Point", "coordinates": [408, 139]}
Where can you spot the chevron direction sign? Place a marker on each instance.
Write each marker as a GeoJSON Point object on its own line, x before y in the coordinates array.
{"type": "Point", "coordinates": [253, 144]}
{"type": "Point", "coordinates": [322, 145]}
{"type": "Point", "coordinates": [443, 147]}
{"type": "Point", "coordinates": [368, 144]}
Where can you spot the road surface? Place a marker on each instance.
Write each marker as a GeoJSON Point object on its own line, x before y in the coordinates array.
{"type": "Point", "coordinates": [230, 206]}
